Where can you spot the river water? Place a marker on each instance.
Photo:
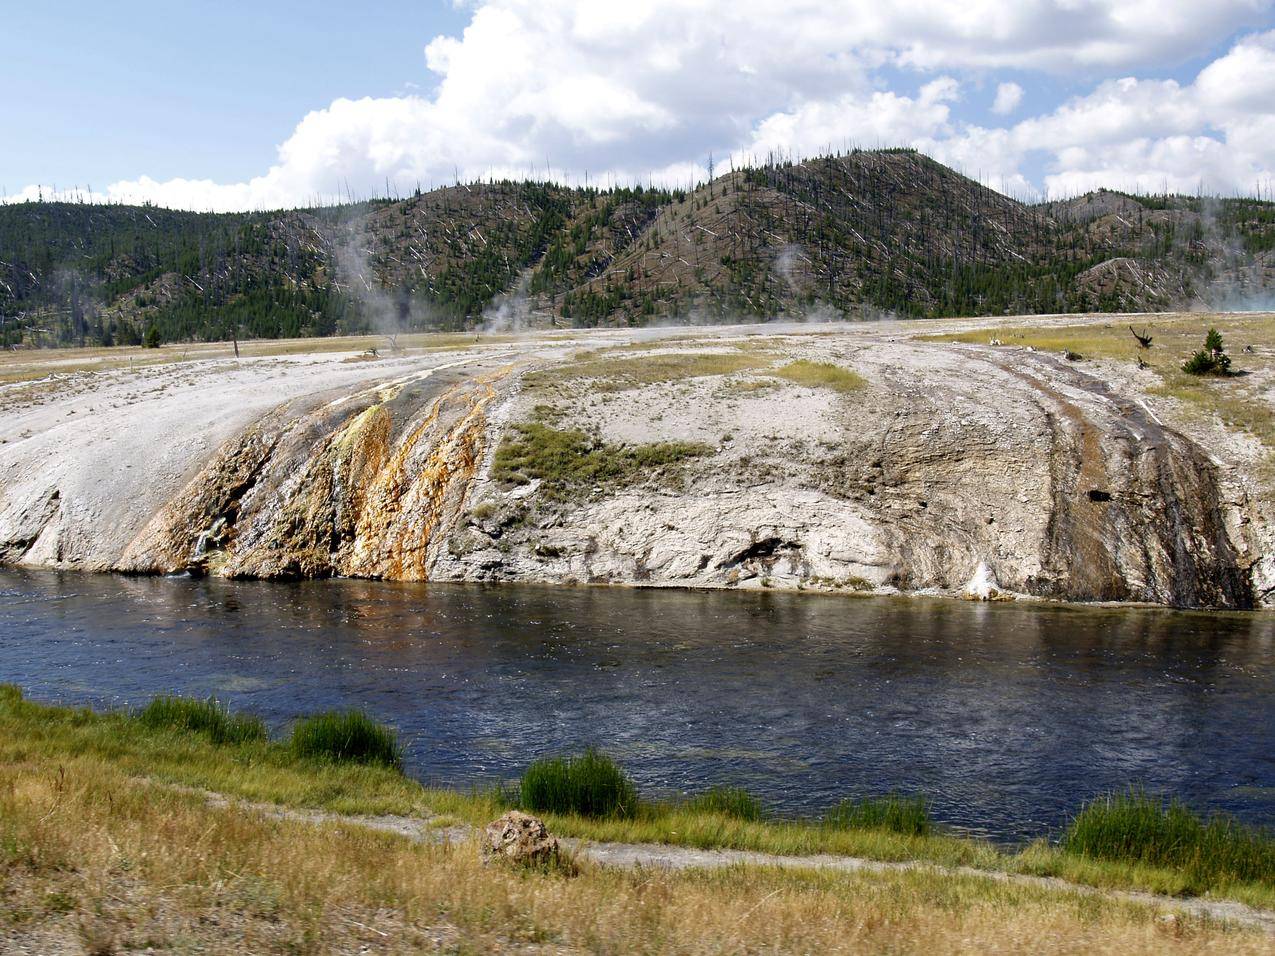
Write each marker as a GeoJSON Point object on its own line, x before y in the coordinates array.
{"type": "Point", "coordinates": [1005, 716]}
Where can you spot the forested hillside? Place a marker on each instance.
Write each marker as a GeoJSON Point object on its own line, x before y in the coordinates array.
{"type": "Point", "coordinates": [863, 233]}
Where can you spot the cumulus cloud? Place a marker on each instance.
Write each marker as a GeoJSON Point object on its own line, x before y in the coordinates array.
{"type": "Point", "coordinates": [1214, 134]}
{"type": "Point", "coordinates": [1008, 96]}
{"type": "Point", "coordinates": [876, 119]}
{"type": "Point", "coordinates": [647, 90]}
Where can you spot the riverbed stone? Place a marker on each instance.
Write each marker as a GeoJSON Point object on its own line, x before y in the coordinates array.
{"type": "Point", "coordinates": [521, 839]}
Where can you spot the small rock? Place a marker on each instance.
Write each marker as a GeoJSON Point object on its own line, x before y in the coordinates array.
{"type": "Point", "coordinates": [521, 839]}
{"type": "Point", "coordinates": [525, 491]}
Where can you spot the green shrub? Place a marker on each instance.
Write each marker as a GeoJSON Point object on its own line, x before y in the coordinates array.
{"type": "Point", "coordinates": [152, 340]}
{"type": "Point", "coordinates": [591, 785]}
{"type": "Point", "coordinates": [1138, 828]}
{"type": "Point", "coordinates": [1210, 360]}
{"type": "Point", "coordinates": [728, 801]}
{"type": "Point", "coordinates": [346, 736]}
{"type": "Point", "coordinates": [208, 717]}
{"type": "Point", "coordinates": [907, 815]}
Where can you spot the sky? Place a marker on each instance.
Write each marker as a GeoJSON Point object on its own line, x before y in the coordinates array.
{"type": "Point", "coordinates": [280, 103]}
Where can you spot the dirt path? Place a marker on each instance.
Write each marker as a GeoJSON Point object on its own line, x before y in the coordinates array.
{"type": "Point", "coordinates": [668, 857]}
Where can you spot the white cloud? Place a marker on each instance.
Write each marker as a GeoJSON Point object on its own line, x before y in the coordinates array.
{"type": "Point", "coordinates": [651, 87]}
{"type": "Point", "coordinates": [1008, 96]}
{"type": "Point", "coordinates": [876, 119]}
{"type": "Point", "coordinates": [1214, 134]}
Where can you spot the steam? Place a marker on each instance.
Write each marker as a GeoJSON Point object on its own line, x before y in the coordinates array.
{"type": "Point", "coordinates": [1255, 302]}
{"type": "Point", "coordinates": [510, 311]}
{"type": "Point", "coordinates": [1242, 285]}
{"type": "Point", "coordinates": [793, 266]}
{"type": "Point", "coordinates": [787, 268]}
{"type": "Point", "coordinates": [389, 313]}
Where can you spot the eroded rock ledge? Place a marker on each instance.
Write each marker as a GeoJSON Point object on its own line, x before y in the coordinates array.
{"type": "Point", "coordinates": [951, 468]}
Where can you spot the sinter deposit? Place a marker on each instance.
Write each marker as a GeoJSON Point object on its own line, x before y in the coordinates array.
{"type": "Point", "coordinates": [857, 458]}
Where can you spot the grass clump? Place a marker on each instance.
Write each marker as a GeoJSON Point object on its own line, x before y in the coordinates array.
{"type": "Point", "coordinates": [208, 717]}
{"type": "Point", "coordinates": [57, 753]}
{"type": "Point", "coordinates": [590, 785]}
{"type": "Point", "coordinates": [821, 375]}
{"type": "Point", "coordinates": [1136, 827]}
{"type": "Point", "coordinates": [908, 816]}
{"type": "Point", "coordinates": [728, 801]}
{"type": "Point", "coordinates": [346, 736]}
{"type": "Point", "coordinates": [566, 459]}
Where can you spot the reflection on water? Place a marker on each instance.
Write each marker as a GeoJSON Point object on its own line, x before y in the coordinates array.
{"type": "Point", "coordinates": [1006, 716]}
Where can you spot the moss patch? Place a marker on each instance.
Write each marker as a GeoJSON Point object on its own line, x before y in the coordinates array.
{"type": "Point", "coordinates": [566, 460]}
{"type": "Point", "coordinates": [821, 375]}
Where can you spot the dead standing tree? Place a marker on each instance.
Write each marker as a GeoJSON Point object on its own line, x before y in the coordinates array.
{"type": "Point", "coordinates": [1144, 340]}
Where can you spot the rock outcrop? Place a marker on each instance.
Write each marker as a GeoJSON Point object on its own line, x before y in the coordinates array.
{"type": "Point", "coordinates": [355, 488]}
{"type": "Point", "coordinates": [954, 463]}
{"type": "Point", "coordinates": [953, 469]}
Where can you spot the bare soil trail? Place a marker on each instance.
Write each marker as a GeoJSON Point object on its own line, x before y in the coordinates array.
{"type": "Point", "coordinates": [665, 856]}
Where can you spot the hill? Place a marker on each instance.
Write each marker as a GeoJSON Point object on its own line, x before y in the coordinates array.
{"type": "Point", "coordinates": [855, 234]}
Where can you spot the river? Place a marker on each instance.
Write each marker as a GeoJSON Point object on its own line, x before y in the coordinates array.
{"type": "Point", "coordinates": [1005, 716]}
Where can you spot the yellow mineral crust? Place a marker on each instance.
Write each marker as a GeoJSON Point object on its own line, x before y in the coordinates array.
{"type": "Point", "coordinates": [420, 488]}
{"type": "Point", "coordinates": [360, 493]}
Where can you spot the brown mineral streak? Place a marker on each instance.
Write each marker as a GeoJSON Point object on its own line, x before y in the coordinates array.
{"type": "Point", "coordinates": [327, 491]}
{"type": "Point", "coordinates": [403, 508]}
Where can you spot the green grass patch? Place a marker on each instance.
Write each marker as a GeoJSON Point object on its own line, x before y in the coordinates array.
{"type": "Point", "coordinates": [43, 740]}
{"type": "Point", "coordinates": [1139, 828]}
{"type": "Point", "coordinates": [590, 785]}
{"type": "Point", "coordinates": [260, 770]}
{"type": "Point", "coordinates": [820, 375]}
{"type": "Point", "coordinates": [568, 459]}
{"type": "Point", "coordinates": [727, 801]}
{"type": "Point", "coordinates": [207, 717]}
{"type": "Point", "coordinates": [345, 736]}
{"type": "Point", "coordinates": [894, 814]}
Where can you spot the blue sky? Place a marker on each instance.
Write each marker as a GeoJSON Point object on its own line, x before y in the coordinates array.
{"type": "Point", "coordinates": [98, 92]}
{"type": "Point", "coordinates": [278, 103]}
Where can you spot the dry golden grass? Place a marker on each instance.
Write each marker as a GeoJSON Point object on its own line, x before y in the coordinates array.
{"type": "Point", "coordinates": [90, 855]}
{"type": "Point", "coordinates": [1175, 336]}
{"type": "Point", "coordinates": [642, 345]}
{"type": "Point", "coordinates": [98, 849]}
{"type": "Point", "coordinates": [268, 773]}
{"type": "Point", "coordinates": [737, 387]}
{"type": "Point", "coordinates": [821, 375]}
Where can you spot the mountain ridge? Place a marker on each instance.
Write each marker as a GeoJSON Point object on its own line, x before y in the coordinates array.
{"type": "Point", "coordinates": [855, 234]}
